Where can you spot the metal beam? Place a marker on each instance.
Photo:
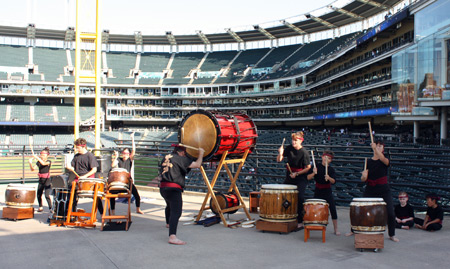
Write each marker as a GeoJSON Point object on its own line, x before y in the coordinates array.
{"type": "Point", "coordinates": [375, 4]}
{"type": "Point", "coordinates": [293, 27]}
{"type": "Point", "coordinates": [345, 12]}
{"type": "Point", "coordinates": [319, 20]}
{"type": "Point", "coordinates": [234, 35]}
{"type": "Point", "coordinates": [264, 32]}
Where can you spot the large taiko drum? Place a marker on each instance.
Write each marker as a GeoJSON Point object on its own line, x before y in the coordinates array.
{"type": "Point", "coordinates": [316, 212]}
{"type": "Point", "coordinates": [20, 195]}
{"type": "Point", "coordinates": [119, 180]}
{"type": "Point", "coordinates": [86, 187]}
{"type": "Point", "coordinates": [278, 202]}
{"type": "Point", "coordinates": [217, 132]}
{"type": "Point", "coordinates": [368, 215]}
{"type": "Point", "coordinates": [225, 201]}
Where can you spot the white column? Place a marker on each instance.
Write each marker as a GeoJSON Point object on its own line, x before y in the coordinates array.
{"type": "Point", "coordinates": [416, 131]}
{"type": "Point", "coordinates": [444, 118]}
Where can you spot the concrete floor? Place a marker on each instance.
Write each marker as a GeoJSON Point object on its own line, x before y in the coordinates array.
{"type": "Point", "coordinates": [32, 243]}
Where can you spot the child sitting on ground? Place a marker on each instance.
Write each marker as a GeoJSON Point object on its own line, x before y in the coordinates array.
{"type": "Point", "coordinates": [435, 215]}
{"type": "Point", "coordinates": [404, 213]}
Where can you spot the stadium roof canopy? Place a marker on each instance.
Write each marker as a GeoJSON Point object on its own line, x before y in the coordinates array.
{"type": "Point", "coordinates": [354, 11]}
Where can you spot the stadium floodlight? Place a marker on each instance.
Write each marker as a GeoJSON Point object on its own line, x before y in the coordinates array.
{"type": "Point", "coordinates": [375, 4]}
{"type": "Point", "coordinates": [234, 35]}
{"type": "Point", "coordinates": [293, 27]}
{"type": "Point", "coordinates": [31, 31]}
{"type": "Point", "coordinates": [319, 20]}
{"type": "Point", "coordinates": [345, 12]}
{"type": "Point", "coordinates": [203, 37]}
{"type": "Point", "coordinates": [105, 36]}
{"type": "Point", "coordinates": [264, 32]}
{"type": "Point", "coordinates": [70, 34]}
{"type": "Point", "coordinates": [171, 38]}
{"type": "Point", "coordinates": [138, 38]}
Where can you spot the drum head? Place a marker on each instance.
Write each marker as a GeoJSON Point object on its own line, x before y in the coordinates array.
{"type": "Point", "coordinates": [199, 130]}
{"type": "Point", "coordinates": [315, 201]}
{"type": "Point", "coordinates": [278, 187]}
{"type": "Point", "coordinates": [17, 186]}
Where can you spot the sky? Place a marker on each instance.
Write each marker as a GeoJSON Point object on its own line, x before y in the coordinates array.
{"type": "Point", "coordinates": [157, 17]}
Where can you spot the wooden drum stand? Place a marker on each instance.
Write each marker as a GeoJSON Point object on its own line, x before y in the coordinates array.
{"type": "Point", "coordinates": [126, 217]}
{"type": "Point", "coordinates": [85, 219]}
{"type": "Point", "coordinates": [233, 187]}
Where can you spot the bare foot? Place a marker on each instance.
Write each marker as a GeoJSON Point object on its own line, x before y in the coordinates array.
{"type": "Point", "coordinates": [405, 227]}
{"type": "Point", "coordinates": [337, 233]}
{"type": "Point", "coordinates": [393, 238]}
{"type": "Point", "coordinates": [139, 211]}
{"type": "Point", "coordinates": [40, 209]}
{"type": "Point", "coordinates": [349, 234]}
{"type": "Point", "coordinates": [174, 240]}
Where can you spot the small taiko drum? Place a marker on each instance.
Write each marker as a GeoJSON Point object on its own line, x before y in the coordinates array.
{"type": "Point", "coordinates": [316, 212]}
{"type": "Point", "coordinates": [278, 202]}
{"type": "Point", "coordinates": [119, 180]}
{"type": "Point", "coordinates": [20, 195]}
{"type": "Point", "coordinates": [86, 187]}
{"type": "Point", "coordinates": [217, 132]}
{"type": "Point", "coordinates": [225, 201]}
{"type": "Point", "coordinates": [368, 215]}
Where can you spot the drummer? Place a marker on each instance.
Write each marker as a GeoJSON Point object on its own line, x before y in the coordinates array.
{"type": "Point", "coordinates": [298, 161]}
{"type": "Point", "coordinates": [126, 162]}
{"type": "Point", "coordinates": [173, 170]}
{"type": "Point", "coordinates": [323, 184]}
{"type": "Point", "coordinates": [377, 183]}
{"type": "Point", "coordinates": [84, 164]}
{"type": "Point", "coordinates": [44, 177]}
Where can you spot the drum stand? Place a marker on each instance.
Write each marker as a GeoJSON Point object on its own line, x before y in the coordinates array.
{"type": "Point", "coordinates": [81, 220]}
{"type": "Point", "coordinates": [127, 217]}
{"type": "Point", "coordinates": [233, 187]}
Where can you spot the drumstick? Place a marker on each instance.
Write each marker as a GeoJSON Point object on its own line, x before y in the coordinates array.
{"type": "Point", "coordinates": [314, 161]}
{"type": "Point", "coordinates": [31, 147]}
{"type": "Point", "coordinates": [370, 130]}
{"type": "Point", "coordinates": [365, 164]}
{"type": "Point", "coordinates": [189, 147]}
{"type": "Point", "coordinates": [326, 166]}
{"type": "Point", "coordinates": [289, 168]}
{"type": "Point", "coordinates": [282, 144]}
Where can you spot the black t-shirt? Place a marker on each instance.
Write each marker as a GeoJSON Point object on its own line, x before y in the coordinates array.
{"type": "Point", "coordinates": [83, 163]}
{"type": "Point", "coordinates": [174, 168]}
{"type": "Point", "coordinates": [404, 212]}
{"type": "Point", "coordinates": [320, 176]}
{"type": "Point", "coordinates": [297, 158]}
{"type": "Point", "coordinates": [435, 213]}
{"type": "Point", "coordinates": [43, 169]}
{"type": "Point", "coordinates": [377, 169]}
{"type": "Point", "coordinates": [125, 164]}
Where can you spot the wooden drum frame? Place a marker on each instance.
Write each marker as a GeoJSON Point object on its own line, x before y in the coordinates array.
{"type": "Point", "coordinates": [278, 203]}
{"type": "Point", "coordinates": [217, 132]}
{"type": "Point", "coordinates": [316, 212]}
{"type": "Point", "coordinates": [368, 215]}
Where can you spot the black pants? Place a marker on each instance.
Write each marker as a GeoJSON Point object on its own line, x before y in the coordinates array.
{"type": "Point", "coordinates": [174, 207]}
{"type": "Point", "coordinates": [327, 194]}
{"type": "Point", "coordinates": [75, 199]}
{"type": "Point", "coordinates": [135, 193]}
{"type": "Point", "coordinates": [44, 185]}
{"type": "Point", "coordinates": [408, 223]}
{"type": "Point", "coordinates": [383, 191]}
{"type": "Point", "coordinates": [431, 227]}
{"type": "Point", "coordinates": [301, 183]}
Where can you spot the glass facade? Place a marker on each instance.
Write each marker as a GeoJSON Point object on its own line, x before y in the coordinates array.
{"type": "Point", "coordinates": [422, 71]}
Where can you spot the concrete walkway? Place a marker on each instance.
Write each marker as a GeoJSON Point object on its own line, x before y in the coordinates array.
{"type": "Point", "coordinates": [34, 244]}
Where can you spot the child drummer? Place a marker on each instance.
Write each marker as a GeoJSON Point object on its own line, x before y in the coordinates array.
{"type": "Point", "coordinates": [404, 212]}
{"type": "Point", "coordinates": [324, 175]}
{"type": "Point", "coordinates": [434, 217]}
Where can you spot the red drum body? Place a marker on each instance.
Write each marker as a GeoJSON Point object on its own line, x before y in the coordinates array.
{"type": "Point", "coordinates": [368, 215]}
{"type": "Point", "coordinates": [20, 195]}
{"type": "Point", "coordinates": [217, 132]}
{"type": "Point", "coordinates": [86, 187]}
{"type": "Point", "coordinates": [316, 212]}
{"type": "Point", "coordinates": [278, 202]}
{"type": "Point", "coordinates": [225, 201]}
{"type": "Point", "coordinates": [119, 180]}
